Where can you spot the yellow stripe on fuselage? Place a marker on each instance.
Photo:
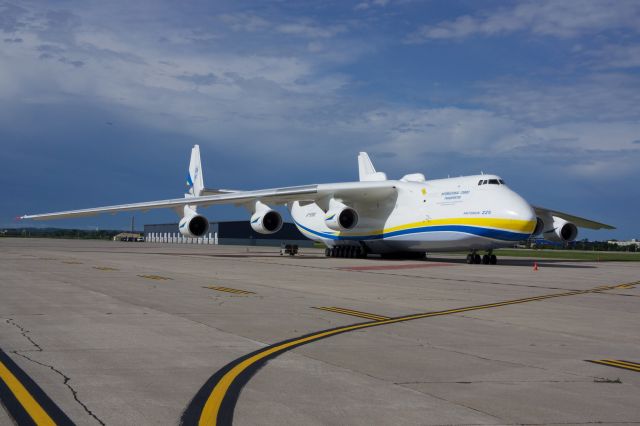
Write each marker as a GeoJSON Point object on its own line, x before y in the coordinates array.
{"type": "Point", "coordinates": [515, 225]}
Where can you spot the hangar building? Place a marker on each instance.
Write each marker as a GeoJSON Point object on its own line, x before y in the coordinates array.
{"type": "Point", "coordinates": [234, 232]}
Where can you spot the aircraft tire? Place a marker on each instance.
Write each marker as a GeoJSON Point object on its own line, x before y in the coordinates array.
{"type": "Point", "coordinates": [469, 258]}
{"type": "Point", "coordinates": [476, 259]}
{"type": "Point", "coordinates": [327, 252]}
{"type": "Point", "coordinates": [485, 259]}
{"type": "Point", "coordinates": [493, 259]}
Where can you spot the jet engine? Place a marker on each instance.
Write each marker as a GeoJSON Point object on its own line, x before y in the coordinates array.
{"type": "Point", "coordinates": [193, 226]}
{"type": "Point", "coordinates": [340, 217]}
{"type": "Point", "coordinates": [265, 220]}
{"type": "Point", "coordinates": [560, 231]}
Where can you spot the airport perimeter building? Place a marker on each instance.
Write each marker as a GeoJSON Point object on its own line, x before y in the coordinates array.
{"type": "Point", "coordinates": [236, 232]}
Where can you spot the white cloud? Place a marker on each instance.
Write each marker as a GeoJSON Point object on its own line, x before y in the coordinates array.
{"type": "Point", "coordinates": [289, 101]}
{"type": "Point", "coordinates": [577, 147]}
{"type": "Point", "coordinates": [298, 27]}
{"type": "Point", "coordinates": [310, 30]}
{"type": "Point", "coordinates": [245, 22]}
{"type": "Point", "coordinates": [598, 97]}
{"type": "Point", "coordinates": [568, 18]}
{"type": "Point", "coordinates": [614, 56]}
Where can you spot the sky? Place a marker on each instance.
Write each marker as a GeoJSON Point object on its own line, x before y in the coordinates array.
{"type": "Point", "coordinates": [100, 102]}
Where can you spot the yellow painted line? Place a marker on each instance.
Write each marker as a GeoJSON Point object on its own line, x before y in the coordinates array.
{"type": "Point", "coordinates": [229, 290]}
{"type": "Point", "coordinates": [622, 364]}
{"type": "Point", "coordinates": [360, 314]}
{"type": "Point", "coordinates": [632, 364]}
{"type": "Point", "coordinates": [154, 277]}
{"type": "Point", "coordinates": [72, 262]}
{"type": "Point", "coordinates": [615, 363]}
{"type": "Point", "coordinates": [105, 268]}
{"type": "Point", "coordinates": [210, 411]}
{"type": "Point", "coordinates": [31, 406]}
{"type": "Point", "coordinates": [353, 313]}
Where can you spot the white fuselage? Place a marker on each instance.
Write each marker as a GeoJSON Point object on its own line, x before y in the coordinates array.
{"type": "Point", "coordinates": [434, 215]}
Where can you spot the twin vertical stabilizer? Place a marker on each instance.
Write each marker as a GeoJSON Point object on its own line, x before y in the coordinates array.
{"type": "Point", "coordinates": [195, 182]}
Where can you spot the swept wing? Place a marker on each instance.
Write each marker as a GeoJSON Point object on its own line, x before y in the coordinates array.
{"type": "Point", "coordinates": [578, 221]}
{"type": "Point", "coordinates": [354, 191]}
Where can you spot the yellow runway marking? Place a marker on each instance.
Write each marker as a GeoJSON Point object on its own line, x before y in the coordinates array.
{"type": "Point", "coordinates": [37, 413]}
{"type": "Point", "coordinates": [618, 364]}
{"type": "Point", "coordinates": [353, 313]}
{"type": "Point", "coordinates": [24, 400]}
{"type": "Point", "coordinates": [229, 290]}
{"type": "Point", "coordinates": [154, 277]}
{"type": "Point", "coordinates": [104, 268]}
{"type": "Point", "coordinates": [226, 377]}
{"type": "Point", "coordinates": [72, 262]}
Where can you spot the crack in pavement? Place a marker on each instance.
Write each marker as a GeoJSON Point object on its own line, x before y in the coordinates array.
{"type": "Point", "coordinates": [24, 332]}
{"type": "Point", "coordinates": [422, 391]}
{"type": "Point", "coordinates": [400, 385]}
{"type": "Point", "coordinates": [66, 379]}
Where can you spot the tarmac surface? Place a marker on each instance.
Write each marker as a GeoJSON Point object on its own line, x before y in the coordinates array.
{"type": "Point", "coordinates": [99, 332]}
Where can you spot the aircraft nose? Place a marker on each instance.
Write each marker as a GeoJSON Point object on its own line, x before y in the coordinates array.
{"type": "Point", "coordinates": [520, 212]}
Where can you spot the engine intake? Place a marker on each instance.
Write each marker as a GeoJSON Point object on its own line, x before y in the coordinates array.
{"type": "Point", "coordinates": [561, 231]}
{"type": "Point", "coordinates": [340, 217]}
{"type": "Point", "coordinates": [194, 226]}
{"type": "Point", "coordinates": [265, 220]}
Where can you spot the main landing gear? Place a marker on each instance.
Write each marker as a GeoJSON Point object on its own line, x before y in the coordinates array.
{"type": "Point", "coordinates": [345, 251]}
{"type": "Point", "coordinates": [488, 259]}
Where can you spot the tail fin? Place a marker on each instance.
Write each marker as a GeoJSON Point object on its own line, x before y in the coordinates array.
{"type": "Point", "coordinates": [195, 182]}
{"type": "Point", "coordinates": [366, 169]}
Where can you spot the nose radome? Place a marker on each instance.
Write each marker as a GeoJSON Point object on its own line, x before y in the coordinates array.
{"type": "Point", "coordinates": [517, 208]}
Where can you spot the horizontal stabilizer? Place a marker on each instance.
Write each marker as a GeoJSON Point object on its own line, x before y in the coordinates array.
{"type": "Point", "coordinates": [366, 170]}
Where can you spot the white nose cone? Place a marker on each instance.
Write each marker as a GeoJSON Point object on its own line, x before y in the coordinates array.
{"type": "Point", "coordinates": [519, 212]}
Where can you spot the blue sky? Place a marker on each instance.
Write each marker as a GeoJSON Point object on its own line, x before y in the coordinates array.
{"type": "Point", "coordinates": [100, 102]}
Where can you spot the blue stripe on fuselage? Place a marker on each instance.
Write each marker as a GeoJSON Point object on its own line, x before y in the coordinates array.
{"type": "Point", "coordinates": [495, 234]}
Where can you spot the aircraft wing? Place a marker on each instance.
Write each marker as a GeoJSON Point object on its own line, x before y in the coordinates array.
{"type": "Point", "coordinates": [356, 191]}
{"type": "Point", "coordinates": [578, 221]}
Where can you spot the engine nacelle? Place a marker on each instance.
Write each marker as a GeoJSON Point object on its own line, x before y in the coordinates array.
{"type": "Point", "coordinates": [340, 217]}
{"type": "Point", "coordinates": [193, 226]}
{"type": "Point", "coordinates": [266, 220]}
{"type": "Point", "coordinates": [560, 231]}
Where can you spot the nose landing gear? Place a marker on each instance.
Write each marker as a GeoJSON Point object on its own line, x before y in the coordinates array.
{"type": "Point", "coordinates": [487, 259]}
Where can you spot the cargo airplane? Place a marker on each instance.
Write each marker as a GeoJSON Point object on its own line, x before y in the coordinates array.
{"type": "Point", "coordinates": [406, 217]}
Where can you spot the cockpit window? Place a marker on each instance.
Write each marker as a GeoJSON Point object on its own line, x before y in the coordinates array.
{"type": "Point", "coordinates": [491, 182]}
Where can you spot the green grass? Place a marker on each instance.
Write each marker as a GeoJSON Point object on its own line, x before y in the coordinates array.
{"type": "Point", "coordinates": [596, 256]}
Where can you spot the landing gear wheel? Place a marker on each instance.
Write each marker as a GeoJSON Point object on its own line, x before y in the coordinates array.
{"type": "Point", "coordinates": [469, 258]}
{"type": "Point", "coordinates": [493, 259]}
{"type": "Point", "coordinates": [485, 259]}
{"type": "Point", "coordinates": [327, 252]}
{"type": "Point", "coordinates": [476, 259]}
